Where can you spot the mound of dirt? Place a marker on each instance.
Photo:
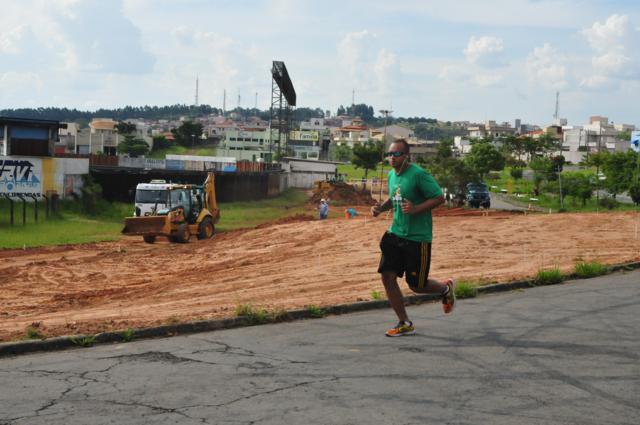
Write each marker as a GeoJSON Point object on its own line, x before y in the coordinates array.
{"type": "Point", "coordinates": [344, 194]}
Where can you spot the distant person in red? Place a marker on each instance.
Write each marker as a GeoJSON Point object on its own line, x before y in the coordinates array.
{"type": "Point", "coordinates": [406, 246]}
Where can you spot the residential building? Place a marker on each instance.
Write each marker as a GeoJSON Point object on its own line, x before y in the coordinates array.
{"type": "Point", "coordinates": [305, 144]}
{"type": "Point", "coordinates": [352, 134]}
{"type": "Point", "coordinates": [23, 136]}
{"type": "Point", "coordinates": [490, 129]}
{"type": "Point", "coordinates": [251, 145]}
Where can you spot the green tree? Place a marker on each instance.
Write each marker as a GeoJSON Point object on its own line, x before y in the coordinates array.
{"type": "Point", "coordinates": [542, 170]}
{"type": "Point", "coordinates": [619, 168]}
{"type": "Point", "coordinates": [367, 155]}
{"type": "Point", "coordinates": [125, 128]}
{"type": "Point", "coordinates": [188, 134]}
{"type": "Point", "coordinates": [133, 146]}
{"type": "Point", "coordinates": [578, 186]}
{"type": "Point", "coordinates": [160, 142]}
{"type": "Point", "coordinates": [634, 192]}
{"type": "Point", "coordinates": [484, 157]}
{"type": "Point", "coordinates": [343, 153]}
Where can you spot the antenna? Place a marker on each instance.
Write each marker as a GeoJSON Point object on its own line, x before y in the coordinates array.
{"type": "Point", "coordinates": [256, 105]}
{"type": "Point", "coordinates": [238, 98]}
{"type": "Point", "coordinates": [224, 102]}
{"type": "Point", "coordinates": [196, 91]}
{"type": "Point", "coordinates": [556, 115]}
{"type": "Point", "coordinates": [353, 97]}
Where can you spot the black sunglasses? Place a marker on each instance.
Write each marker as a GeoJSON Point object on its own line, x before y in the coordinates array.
{"type": "Point", "coordinates": [396, 154]}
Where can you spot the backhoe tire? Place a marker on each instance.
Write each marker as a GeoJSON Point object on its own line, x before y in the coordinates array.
{"type": "Point", "coordinates": [206, 229]}
{"type": "Point", "coordinates": [183, 234]}
{"type": "Point", "coordinates": [149, 238]}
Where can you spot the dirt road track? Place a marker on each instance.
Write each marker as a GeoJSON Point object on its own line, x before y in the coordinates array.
{"type": "Point", "coordinates": [110, 286]}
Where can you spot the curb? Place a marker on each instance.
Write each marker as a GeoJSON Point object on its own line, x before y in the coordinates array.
{"type": "Point", "coordinates": [15, 348]}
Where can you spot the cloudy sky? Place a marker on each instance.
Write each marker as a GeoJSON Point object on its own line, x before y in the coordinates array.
{"type": "Point", "coordinates": [452, 60]}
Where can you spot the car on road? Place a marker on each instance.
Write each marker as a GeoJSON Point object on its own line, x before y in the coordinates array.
{"type": "Point", "coordinates": [478, 195]}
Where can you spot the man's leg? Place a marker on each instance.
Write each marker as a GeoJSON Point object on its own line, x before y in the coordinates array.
{"type": "Point", "coordinates": [390, 282]}
{"type": "Point", "coordinates": [432, 287]}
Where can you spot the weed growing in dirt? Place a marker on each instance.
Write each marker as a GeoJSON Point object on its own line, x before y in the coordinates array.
{"type": "Point", "coordinates": [590, 269]}
{"type": "Point", "coordinates": [466, 289]}
{"type": "Point", "coordinates": [127, 334]}
{"type": "Point", "coordinates": [376, 295]}
{"type": "Point", "coordinates": [33, 333]}
{"type": "Point", "coordinates": [86, 341]}
{"type": "Point", "coordinates": [280, 315]}
{"type": "Point", "coordinates": [316, 311]}
{"type": "Point", "coordinates": [549, 276]}
{"type": "Point", "coordinates": [255, 315]}
{"type": "Point", "coordinates": [173, 320]}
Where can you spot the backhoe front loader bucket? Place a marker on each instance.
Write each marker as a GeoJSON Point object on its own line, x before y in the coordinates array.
{"type": "Point", "coordinates": [150, 225]}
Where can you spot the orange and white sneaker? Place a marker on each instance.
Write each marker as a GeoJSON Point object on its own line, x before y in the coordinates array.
{"type": "Point", "coordinates": [401, 329]}
{"type": "Point", "coordinates": [449, 300]}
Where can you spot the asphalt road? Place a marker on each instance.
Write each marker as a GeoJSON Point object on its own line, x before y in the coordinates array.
{"type": "Point", "coordinates": [566, 354]}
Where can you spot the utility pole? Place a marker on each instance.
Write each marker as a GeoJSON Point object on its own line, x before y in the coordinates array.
{"type": "Point", "coordinates": [386, 113]}
{"type": "Point", "coordinates": [224, 103]}
{"type": "Point", "coordinates": [196, 104]}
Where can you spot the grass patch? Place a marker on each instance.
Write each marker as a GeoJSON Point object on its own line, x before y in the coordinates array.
{"type": "Point", "coordinates": [589, 269]}
{"type": "Point", "coordinates": [237, 215]}
{"type": "Point", "coordinates": [376, 295]}
{"type": "Point", "coordinates": [466, 289]}
{"type": "Point", "coordinates": [86, 341]}
{"type": "Point", "coordinates": [127, 334]}
{"type": "Point", "coordinates": [549, 276]}
{"type": "Point", "coordinates": [33, 333]}
{"type": "Point", "coordinates": [255, 315]}
{"type": "Point", "coordinates": [72, 226]}
{"type": "Point", "coordinates": [316, 311]}
{"type": "Point", "coordinates": [352, 172]}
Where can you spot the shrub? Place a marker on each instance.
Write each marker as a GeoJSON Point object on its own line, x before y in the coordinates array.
{"type": "Point", "coordinates": [376, 295]}
{"type": "Point", "coordinates": [33, 333]}
{"type": "Point", "coordinates": [466, 290]}
{"type": "Point", "coordinates": [516, 173]}
{"type": "Point", "coordinates": [608, 203]}
{"type": "Point", "coordinates": [549, 276]}
{"type": "Point", "coordinates": [127, 335]}
{"type": "Point", "coordinates": [86, 341]}
{"type": "Point", "coordinates": [591, 269]}
{"type": "Point", "coordinates": [255, 315]}
{"type": "Point", "coordinates": [316, 311]}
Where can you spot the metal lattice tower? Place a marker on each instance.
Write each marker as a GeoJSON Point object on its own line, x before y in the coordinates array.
{"type": "Point", "coordinates": [283, 99]}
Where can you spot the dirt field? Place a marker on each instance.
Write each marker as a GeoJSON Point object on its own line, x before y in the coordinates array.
{"type": "Point", "coordinates": [110, 286]}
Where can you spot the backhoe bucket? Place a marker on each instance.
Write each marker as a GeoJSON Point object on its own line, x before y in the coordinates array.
{"type": "Point", "coordinates": [150, 225]}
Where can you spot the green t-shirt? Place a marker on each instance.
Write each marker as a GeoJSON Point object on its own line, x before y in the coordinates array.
{"type": "Point", "coordinates": [416, 185]}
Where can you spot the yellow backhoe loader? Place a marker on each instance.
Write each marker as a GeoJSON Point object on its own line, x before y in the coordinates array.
{"type": "Point", "coordinates": [175, 211]}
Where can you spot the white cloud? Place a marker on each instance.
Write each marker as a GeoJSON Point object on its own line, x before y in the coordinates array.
{"type": "Point", "coordinates": [596, 82]}
{"type": "Point", "coordinates": [485, 51]}
{"type": "Point", "coordinates": [609, 35]}
{"type": "Point", "coordinates": [614, 43]}
{"type": "Point", "coordinates": [545, 67]}
{"type": "Point", "coordinates": [360, 53]}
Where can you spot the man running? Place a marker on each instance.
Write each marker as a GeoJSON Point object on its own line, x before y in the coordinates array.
{"type": "Point", "coordinates": [406, 246]}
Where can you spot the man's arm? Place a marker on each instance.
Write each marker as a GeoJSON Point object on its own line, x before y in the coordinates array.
{"type": "Point", "coordinates": [428, 205]}
{"type": "Point", "coordinates": [378, 208]}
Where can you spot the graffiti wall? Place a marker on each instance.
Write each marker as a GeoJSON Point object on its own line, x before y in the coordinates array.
{"type": "Point", "coordinates": [35, 176]}
{"type": "Point", "coordinates": [20, 176]}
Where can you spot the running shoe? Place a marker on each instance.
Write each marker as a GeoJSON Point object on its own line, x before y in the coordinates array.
{"type": "Point", "coordinates": [449, 300]}
{"type": "Point", "coordinates": [401, 329]}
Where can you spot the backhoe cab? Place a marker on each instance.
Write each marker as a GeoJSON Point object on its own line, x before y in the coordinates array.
{"type": "Point", "coordinates": [175, 211]}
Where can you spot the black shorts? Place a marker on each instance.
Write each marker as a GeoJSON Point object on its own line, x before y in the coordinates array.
{"type": "Point", "coordinates": [402, 256]}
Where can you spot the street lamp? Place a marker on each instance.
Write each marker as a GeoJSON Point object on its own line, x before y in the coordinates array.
{"type": "Point", "coordinates": [193, 140]}
{"type": "Point", "coordinates": [386, 113]}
